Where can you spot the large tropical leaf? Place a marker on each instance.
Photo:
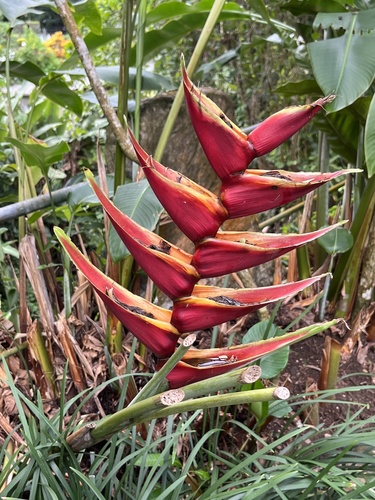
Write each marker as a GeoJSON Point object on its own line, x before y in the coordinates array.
{"type": "Point", "coordinates": [345, 65]}
{"type": "Point", "coordinates": [13, 10]}
{"type": "Point", "coordinates": [370, 139]}
{"type": "Point", "coordinates": [137, 201]}
{"type": "Point", "coordinates": [343, 128]}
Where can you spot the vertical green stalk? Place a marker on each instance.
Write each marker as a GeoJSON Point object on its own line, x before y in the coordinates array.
{"type": "Point", "coordinates": [198, 50]}
{"type": "Point", "coordinates": [359, 177]}
{"type": "Point", "coordinates": [123, 91]}
{"type": "Point", "coordinates": [322, 197]}
{"type": "Point", "coordinates": [140, 31]}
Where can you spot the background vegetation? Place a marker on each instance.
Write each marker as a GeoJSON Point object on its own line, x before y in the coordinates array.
{"type": "Point", "coordinates": [65, 359]}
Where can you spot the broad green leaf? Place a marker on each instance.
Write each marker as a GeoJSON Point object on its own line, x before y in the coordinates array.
{"type": "Point", "coordinates": [53, 88]}
{"type": "Point", "coordinates": [13, 10]}
{"type": "Point", "coordinates": [150, 460]}
{"type": "Point", "coordinates": [342, 129]}
{"type": "Point", "coordinates": [305, 87]}
{"type": "Point", "coordinates": [27, 71]}
{"type": "Point", "coordinates": [84, 193]}
{"type": "Point", "coordinates": [301, 7]}
{"type": "Point", "coordinates": [167, 37]}
{"type": "Point", "coordinates": [88, 13]}
{"type": "Point", "coordinates": [271, 364]}
{"type": "Point", "coordinates": [217, 63]}
{"type": "Point", "coordinates": [167, 11]}
{"type": "Point", "coordinates": [138, 201]}
{"type": "Point", "coordinates": [59, 92]}
{"type": "Point", "coordinates": [38, 155]}
{"type": "Point", "coordinates": [370, 139]}
{"type": "Point", "coordinates": [279, 409]}
{"type": "Point", "coordinates": [345, 65]}
{"type": "Point", "coordinates": [110, 74]}
{"type": "Point", "coordinates": [340, 240]}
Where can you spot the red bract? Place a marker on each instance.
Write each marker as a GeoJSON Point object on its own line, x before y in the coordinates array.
{"type": "Point", "coordinates": [227, 148]}
{"type": "Point", "coordinates": [209, 306]}
{"type": "Point", "coordinates": [202, 364]}
{"type": "Point", "coordinates": [195, 210]}
{"type": "Point", "coordinates": [149, 323]}
{"type": "Point", "coordinates": [231, 251]}
{"type": "Point", "coordinates": [167, 265]}
{"type": "Point", "coordinates": [256, 191]}
{"type": "Point", "coordinates": [199, 214]}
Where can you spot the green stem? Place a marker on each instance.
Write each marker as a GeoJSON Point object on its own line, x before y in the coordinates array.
{"type": "Point", "coordinates": [123, 90]}
{"type": "Point", "coordinates": [350, 260]}
{"type": "Point", "coordinates": [158, 383]}
{"type": "Point", "coordinates": [198, 51]}
{"type": "Point", "coordinates": [141, 24]}
{"type": "Point", "coordinates": [322, 197]}
{"type": "Point", "coordinates": [161, 406]}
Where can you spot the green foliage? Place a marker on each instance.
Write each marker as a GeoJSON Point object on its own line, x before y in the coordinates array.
{"type": "Point", "coordinates": [138, 201]}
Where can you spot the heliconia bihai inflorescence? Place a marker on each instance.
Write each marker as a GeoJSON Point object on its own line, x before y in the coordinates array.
{"type": "Point", "coordinates": [199, 213]}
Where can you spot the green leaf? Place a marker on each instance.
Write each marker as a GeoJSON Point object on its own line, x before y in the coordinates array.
{"type": "Point", "coordinates": [345, 65]}
{"type": "Point", "coordinates": [58, 91]}
{"type": "Point", "coordinates": [305, 87]}
{"type": "Point", "coordinates": [271, 364]}
{"type": "Point", "coordinates": [220, 61]}
{"type": "Point", "coordinates": [342, 129]}
{"type": "Point", "coordinates": [88, 13]}
{"type": "Point", "coordinates": [84, 193]}
{"type": "Point", "coordinates": [370, 139]}
{"type": "Point", "coordinates": [302, 7]}
{"type": "Point", "coordinates": [339, 240]}
{"type": "Point", "coordinates": [138, 201]}
{"type": "Point", "coordinates": [38, 155]}
{"type": "Point", "coordinates": [13, 10]}
{"type": "Point", "coordinates": [279, 409]}
{"type": "Point", "coordinates": [150, 460]}
{"type": "Point", "coordinates": [180, 19]}
{"type": "Point", "coordinates": [52, 87]}
{"type": "Point", "coordinates": [27, 71]}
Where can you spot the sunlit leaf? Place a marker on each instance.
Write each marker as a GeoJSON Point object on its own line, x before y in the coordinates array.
{"type": "Point", "coordinates": [88, 13]}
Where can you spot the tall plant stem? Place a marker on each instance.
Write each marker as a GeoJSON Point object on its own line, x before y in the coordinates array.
{"type": "Point", "coordinates": [322, 197]}
{"type": "Point", "coordinates": [123, 90]}
{"type": "Point", "coordinates": [349, 262]}
{"type": "Point", "coordinates": [199, 48]}
{"type": "Point", "coordinates": [97, 87]}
